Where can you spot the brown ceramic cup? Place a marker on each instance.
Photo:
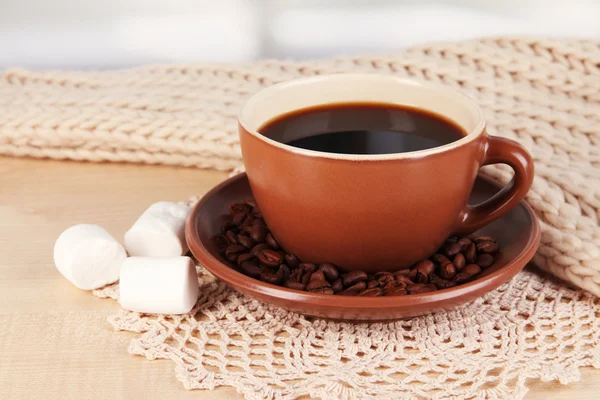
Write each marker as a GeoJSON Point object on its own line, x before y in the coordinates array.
{"type": "Point", "coordinates": [373, 212]}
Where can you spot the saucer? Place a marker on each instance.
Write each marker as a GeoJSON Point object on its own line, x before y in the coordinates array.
{"type": "Point", "coordinates": [517, 232]}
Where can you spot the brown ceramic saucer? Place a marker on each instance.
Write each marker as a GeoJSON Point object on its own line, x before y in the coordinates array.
{"type": "Point", "coordinates": [517, 232]}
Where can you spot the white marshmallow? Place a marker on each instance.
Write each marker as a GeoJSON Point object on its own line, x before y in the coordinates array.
{"type": "Point", "coordinates": [88, 256]}
{"type": "Point", "coordinates": [159, 231]}
{"type": "Point", "coordinates": [158, 285]}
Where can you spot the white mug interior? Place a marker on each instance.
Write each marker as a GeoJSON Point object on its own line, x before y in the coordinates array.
{"type": "Point", "coordinates": [293, 95]}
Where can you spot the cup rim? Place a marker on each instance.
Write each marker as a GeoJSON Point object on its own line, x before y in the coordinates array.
{"type": "Point", "coordinates": [466, 100]}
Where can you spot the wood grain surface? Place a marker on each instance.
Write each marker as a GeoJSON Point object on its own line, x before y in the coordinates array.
{"type": "Point", "coordinates": [55, 342]}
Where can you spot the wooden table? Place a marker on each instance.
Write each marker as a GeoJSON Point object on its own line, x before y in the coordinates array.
{"type": "Point", "coordinates": [55, 341]}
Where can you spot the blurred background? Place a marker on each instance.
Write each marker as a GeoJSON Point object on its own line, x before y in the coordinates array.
{"type": "Point", "coordinates": [45, 34]}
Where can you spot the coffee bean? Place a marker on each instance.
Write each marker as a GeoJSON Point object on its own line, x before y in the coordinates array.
{"type": "Point", "coordinates": [292, 261]}
{"type": "Point", "coordinates": [258, 222]}
{"type": "Point", "coordinates": [487, 246]}
{"type": "Point", "coordinates": [464, 243]}
{"type": "Point", "coordinates": [441, 283]}
{"type": "Point", "coordinates": [424, 266]}
{"type": "Point", "coordinates": [271, 241]}
{"type": "Point", "coordinates": [325, 290]}
{"type": "Point", "coordinates": [387, 279]}
{"type": "Point", "coordinates": [330, 271]}
{"type": "Point", "coordinates": [450, 250]}
{"type": "Point", "coordinates": [257, 214]}
{"type": "Point", "coordinates": [238, 218]}
{"type": "Point", "coordinates": [459, 261]}
{"type": "Point", "coordinates": [221, 242]}
{"type": "Point", "coordinates": [294, 285]}
{"type": "Point", "coordinates": [270, 257]}
{"type": "Point", "coordinates": [318, 284]}
{"type": "Point", "coordinates": [251, 268]}
{"type": "Point", "coordinates": [270, 277]}
{"type": "Point", "coordinates": [448, 271]}
{"type": "Point", "coordinates": [472, 269]}
{"type": "Point", "coordinates": [353, 277]}
{"type": "Point", "coordinates": [440, 259]}
{"type": "Point", "coordinates": [244, 257]}
{"type": "Point", "coordinates": [240, 208]}
{"type": "Point", "coordinates": [229, 226]}
{"type": "Point", "coordinates": [258, 248]}
{"type": "Point", "coordinates": [245, 241]}
{"type": "Point", "coordinates": [384, 277]}
{"type": "Point", "coordinates": [231, 237]}
{"type": "Point", "coordinates": [403, 280]}
{"type": "Point", "coordinates": [317, 276]}
{"type": "Point", "coordinates": [421, 271]}
{"type": "Point", "coordinates": [470, 253]}
{"type": "Point", "coordinates": [359, 286]}
{"type": "Point", "coordinates": [484, 260]}
{"type": "Point", "coordinates": [418, 277]}
{"type": "Point", "coordinates": [395, 291]}
{"type": "Point", "coordinates": [444, 284]}
{"type": "Point", "coordinates": [306, 278]}
{"type": "Point", "coordinates": [284, 271]}
{"type": "Point", "coordinates": [248, 221]}
{"type": "Point", "coordinates": [418, 288]}
{"type": "Point", "coordinates": [467, 273]}
{"type": "Point", "coordinates": [307, 270]}
{"type": "Point", "coordinates": [372, 284]}
{"type": "Point", "coordinates": [233, 252]}
{"type": "Point", "coordinates": [258, 233]}
{"type": "Point", "coordinates": [337, 286]}
{"type": "Point", "coordinates": [391, 284]}
{"type": "Point", "coordinates": [296, 275]}
{"type": "Point", "coordinates": [479, 239]}
{"type": "Point", "coordinates": [251, 203]}
{"type": "Point", "coordinates": [370, 292]}
{"type": "Point", "coordinates": [308, 267]}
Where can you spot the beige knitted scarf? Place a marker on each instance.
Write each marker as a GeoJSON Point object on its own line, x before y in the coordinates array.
{"type": "Point", "coordinates": [543, 93]}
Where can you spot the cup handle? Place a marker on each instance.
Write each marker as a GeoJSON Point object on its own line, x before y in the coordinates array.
{"type": "Point", "coordinates": [500, 151]}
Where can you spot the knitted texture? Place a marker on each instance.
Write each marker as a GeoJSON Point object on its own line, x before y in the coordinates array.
{"type": "Point", "coordinates": [543, 93]}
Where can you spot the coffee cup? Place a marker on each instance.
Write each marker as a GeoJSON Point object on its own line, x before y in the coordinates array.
{"type": "Point", "coordinates": [373, 212]}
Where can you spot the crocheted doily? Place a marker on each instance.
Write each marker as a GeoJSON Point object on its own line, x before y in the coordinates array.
{"type": "Point", "coordinates": [543, 93]}
{"type": "Point", "coordinates": [530, 328]}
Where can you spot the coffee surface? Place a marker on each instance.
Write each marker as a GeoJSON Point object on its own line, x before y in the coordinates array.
{"type": "Point", "coordinates": [362, 128]}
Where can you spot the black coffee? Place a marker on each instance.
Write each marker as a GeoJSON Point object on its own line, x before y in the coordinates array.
{"type": "Point", "coordinates": [362, 128]}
